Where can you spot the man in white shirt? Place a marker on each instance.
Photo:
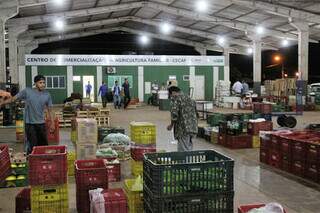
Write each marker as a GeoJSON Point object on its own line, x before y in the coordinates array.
{"type": "Point", "coordinates": [237, 87]}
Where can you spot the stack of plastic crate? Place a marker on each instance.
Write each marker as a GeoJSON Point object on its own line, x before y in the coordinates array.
{"type": "Point", "coordinates": [48, 179]}
{"type": "Point", "coordinates": [143, 134]}
{"type": "Point", "coordinates": [196, 181]}
{"type": "Point", "coordinates": [87, 138]}
{"type": "Point", "coordinates": [5, 168]}
{"type": "Point", "coordinates": [89, 174]}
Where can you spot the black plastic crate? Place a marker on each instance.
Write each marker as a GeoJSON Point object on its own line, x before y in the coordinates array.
{"type": "Point", "coordinates": [205, 203]}
{"type": "Point", "coordinates": [184, 173]}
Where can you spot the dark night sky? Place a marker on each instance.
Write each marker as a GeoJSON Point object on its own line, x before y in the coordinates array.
{"type": "Point", "coordinates": [241, 65]}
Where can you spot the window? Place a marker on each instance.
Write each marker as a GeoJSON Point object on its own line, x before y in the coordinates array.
{"type": "Point", "coordinates": [186, 77]}
{"type": "Point", "coordinates": [76, 78]}
{"type": "Point", "coordinates": [55, 82]}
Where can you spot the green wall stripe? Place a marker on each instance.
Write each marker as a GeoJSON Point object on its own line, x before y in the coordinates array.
{"type": "Point", "coordinates": [28, 76]}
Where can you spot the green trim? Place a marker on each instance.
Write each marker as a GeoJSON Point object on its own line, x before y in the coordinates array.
{"type": "Point", "coordinates": [207, 72]}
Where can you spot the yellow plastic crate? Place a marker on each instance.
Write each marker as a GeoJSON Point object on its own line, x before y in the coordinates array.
{"type": "Point", "coordinates": [255, 141]}
{"type": "Point", "coordinates": [71, 159]}
{"type": "Point", "coordinates": [143, 132]}
{"type": "Point", "coordinates": [135, 198]}
{"type": "Point", "coordinates": [214, 137]}
{"type": "Point", "coordinates": [49, 199]}
{"type": "Point", "coordinates": [136, 167]}
{"type": "Point", "coordinates": [74, 136]}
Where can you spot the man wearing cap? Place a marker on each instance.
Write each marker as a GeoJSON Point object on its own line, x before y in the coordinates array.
{"type": "Point", "coordinates": [184, 120]}
{"type": "Point", "coordinates": [37, 100]}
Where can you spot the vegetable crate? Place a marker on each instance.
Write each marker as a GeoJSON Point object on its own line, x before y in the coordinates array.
{"type": "Point", "coordinates": [5, 166]}
{"type": "Point", "coordinates": [115, 201]}
{"type": "Point", "coordinates": [143, 132]}
{"type": "Point", "coordinates": [48, 165]}
{"type": "Point", "coordinates": [255, 127]}
{"type": "Point", "coordinates": [210, 202]}
{"type": "Point", "coordinates": [90, 174]}
{"type": "Point", "coordinates": [187, 173]}
{"type": "Point", "coordinates": [23, 202]}
{"type": "Point", "coordinates": [71, 159]}
{"type": "Point", "coordinates": [239, 141]}
{"type": "Point", "coordinates": [51, 199]}
{"type": "Point", "coordinates": [136, 168]}
{"type": "Point", "coordinates": [114, 172]}
{"type": "Point", "coordinates": [135, 198]}
{"type": "Point", "coordinates": [137, 151]}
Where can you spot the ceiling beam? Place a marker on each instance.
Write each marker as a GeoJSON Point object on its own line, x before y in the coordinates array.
{"type": "Point", "coordinates": [218, 20]}
{"type": "Point", "coordinates": [279, 10]}
{"type": "Point", "coordinates": [73, 14]}
{"type": "Point", "coordinates": [29, 3]}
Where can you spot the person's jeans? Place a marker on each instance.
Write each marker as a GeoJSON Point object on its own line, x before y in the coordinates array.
{"type": "Point", "coordinates": [104, 101]}
{"type": "Point", "coordinates": [117, 101]}
{"type": "Point", "coordinates": [36, 136]}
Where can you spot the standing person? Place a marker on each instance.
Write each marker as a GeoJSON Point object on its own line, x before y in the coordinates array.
{"type": "Point", "coordinates": [245, 87]}
{"type": "Point", "coordinates": [184, 120]}
{"type": "Point", "coordinates": [103, 90]}
{"type": "Point", "coordinates": [37, 100]}
{"type": "Point", "coordinates": [116, 95]}
{"type": "Point", "coordinates": [237, 88]}
{"type": "Point", "coordinates": [88, 89]}
{"type": "Point", "coordinates": [126, 90]}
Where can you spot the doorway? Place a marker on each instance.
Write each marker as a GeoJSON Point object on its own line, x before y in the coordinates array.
{"type": "Point", "coordinates": [88, 79]}
{"type": "Point", "coordinates": [199, 87]}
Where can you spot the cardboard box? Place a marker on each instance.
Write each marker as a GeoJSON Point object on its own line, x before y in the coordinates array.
{"type": "Point", "coordinates": [87, 130]}
{"type": "Point", "coordinates": [86, 151]}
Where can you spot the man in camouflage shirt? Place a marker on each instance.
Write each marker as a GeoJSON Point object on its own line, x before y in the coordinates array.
{"type": "Point", "coordinates": [183, 118]}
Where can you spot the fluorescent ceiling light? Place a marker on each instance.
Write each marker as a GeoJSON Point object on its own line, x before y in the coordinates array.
{"type": "Point", "coordinates": [285, 43]}
{"type": "Point", "coordinates": [201, 6]}
{"type": "Point", "coordinates": [249, 50]}
{"type": "Point", "coordinates": [59, 25]}
{"type": "Point", "coordinates": [260, 30]}
{"type": "Point", "coordinates": [166, 28]}
{"type": "Point", "coordinates": [221, 40]}
{"type": "Point", "coordinates": [144, 39]}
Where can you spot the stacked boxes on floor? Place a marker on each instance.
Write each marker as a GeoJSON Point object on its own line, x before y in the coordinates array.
{"type": "Point", "coordinates": [87, 138]}
{"type": "Point", "coordinates": [143, 134]}
{"type": "Point", "coordinates": [176, 182]}
{"type": "Point", "coordinates": [23, 203]}
{"type": "Point", "coordinates": [297, 152]}
{"type": "Point", "coordinates": [5, 167]}
{"type": "Point", "coordinates": [265, 109]}
{"type": "Point", "coordinates": [48, 179]}
{"type": "Point", "coordinates": [89, 174]}
{"type": "Point", "coordinates": [254, 128]}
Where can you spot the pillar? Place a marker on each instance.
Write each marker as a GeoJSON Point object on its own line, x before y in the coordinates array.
{"type": "Point", "coordinates": [140, 83]}
{"type": "Point", "coordinates": [14, 32]}
{"type": "Point", "coordinates": [257, 66]}
{"type": "Point", "coordinates": [215, 80]}
{"type": "Point", "coordinates": [23, 46]}
{"type": "Point", "coordinates": [303, 52]}
{"type": "Point", "coordinates": [2, 51]}
{"type": "Point", "coordinates": [226, 54]}
{"type": "Point", "coordinates": [192, 79]}
{"type": "Point", "coordinates": [69, 80]}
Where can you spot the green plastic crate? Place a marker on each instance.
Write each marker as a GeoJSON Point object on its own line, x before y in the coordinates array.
{"type": "Point", "coordinates": [215, 118]}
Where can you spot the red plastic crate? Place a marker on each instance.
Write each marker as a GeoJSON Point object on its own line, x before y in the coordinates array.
{"type": "Point", "coordinates": [298, 149]}
{"type": "Point", "coordinates": [275, 158]}
{"type": "Point", "coordinates": [239, 141]}
{"type": "Point", "coordinates": [83, 201]}
{"type": "Point", "coordinates": [137, 151]}
{"type": "Point", "coordinates": [91, 173]}
{"type": "Point", "coordinates": [48, 165]}
{"type": "Point", "coordinates": [222, 139]}
{"type": "Point", "coordinates": [23, 202]}
{"type": "Point", "coordinates": [285, 146]}
{"type": "Point", "coordinates": [114, 172]}
{"type": "Point", "coordinates": [247, 208]}
{"type": "Point", "coordinates": [53, 137]}
{"type": "Point", "coordinates": [115, 201]}
{"type": "Point", "coordinates": [286, 164]}
{"type": "Point", "coordinates": [264, 156]}
{"type": "Point", "coordinates": [5, 166]}
{"type": "Point", "coordinates": [298, 168]}
{"type": "Point", "coordinates": [312, 171]}
{"type": "Point", "coordinates": [275, 141]}
{"type": "Point", "coordinates": [313, 152]}
{"type": "Point", "coordinates": [256, 107]}
{"type": "Point", "coordinates": [265, 143]}
{"type": "Point", "coordinates": [266, 108]}
{"type": "Point", "coordinates": [255, 127]}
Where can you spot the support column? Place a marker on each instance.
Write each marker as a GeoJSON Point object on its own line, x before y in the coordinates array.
{"type": "Point", "coordinates": [99, 82]}
{"type": "Point", "coordinates": [22, 77]}
{"type": "Point", "coordinates": [202, 51]}
{"type": "Point", "coordinates": [140, 83]}
{"type": "Point", "coordinates": [257, 65]}
{"type": "Point", "coordinates": [14, 32]}
{"type": "Point", "coordinates": [192, 78]}
{"type": "Point", "coordinates": [215, 80]}
{"type": "Point", "coordinates": [9, 8]}
{"type": "Point", "coordinates": [69, 80]}
{"type": "Point", "coordinates": [303, 52]}
{"type": "Point", "coordinates": [226, 54]}
{"type": "Point", "coordinates": [23, 45]}
{"type": "Point", "coordinates": [34, 73]}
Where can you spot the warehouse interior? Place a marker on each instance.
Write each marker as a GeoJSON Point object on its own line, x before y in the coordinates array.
{"type": "Point", "coordinates": [255, 150]}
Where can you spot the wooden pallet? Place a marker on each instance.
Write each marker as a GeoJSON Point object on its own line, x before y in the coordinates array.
{"type": "Point", "coordinates": [93, 114]}
{"type": "Point", "coordinates": [58, 115]}
{"type": "Point", "coordinates": [82, 114]}
{"type": "Point", "coordinates": [103, 121]}
{"type": "Point", "coordinates": [104, 112]}
{"type": "Point", "coordinates": [65, 123]}
{"type": "Point", "coordinates": [1, 118]}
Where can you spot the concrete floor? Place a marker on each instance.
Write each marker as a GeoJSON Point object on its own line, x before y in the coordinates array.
{"type": "Point", "coordinates": [254, 182]}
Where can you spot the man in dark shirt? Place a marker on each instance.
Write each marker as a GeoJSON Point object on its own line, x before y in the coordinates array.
{"type": "Point", "coordinates": [103, 91]}
{"type": "Point", "coordinates": [126, 90]}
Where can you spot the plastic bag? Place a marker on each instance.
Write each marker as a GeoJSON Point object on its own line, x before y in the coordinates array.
{"type": "Point", "coordinates": [96, 201]}
{"type": "Point", "coordinates": [138, 184]}
{"type": "Point", "coordinates": [268, 208]}
{"type": "Point", "coordinates": [117, 138]}
{"type": "Point", "coordinates": [106, 152]}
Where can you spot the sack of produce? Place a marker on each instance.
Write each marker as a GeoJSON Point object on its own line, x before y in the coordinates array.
{"type": "Point", "coordinates": [117, 138]}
